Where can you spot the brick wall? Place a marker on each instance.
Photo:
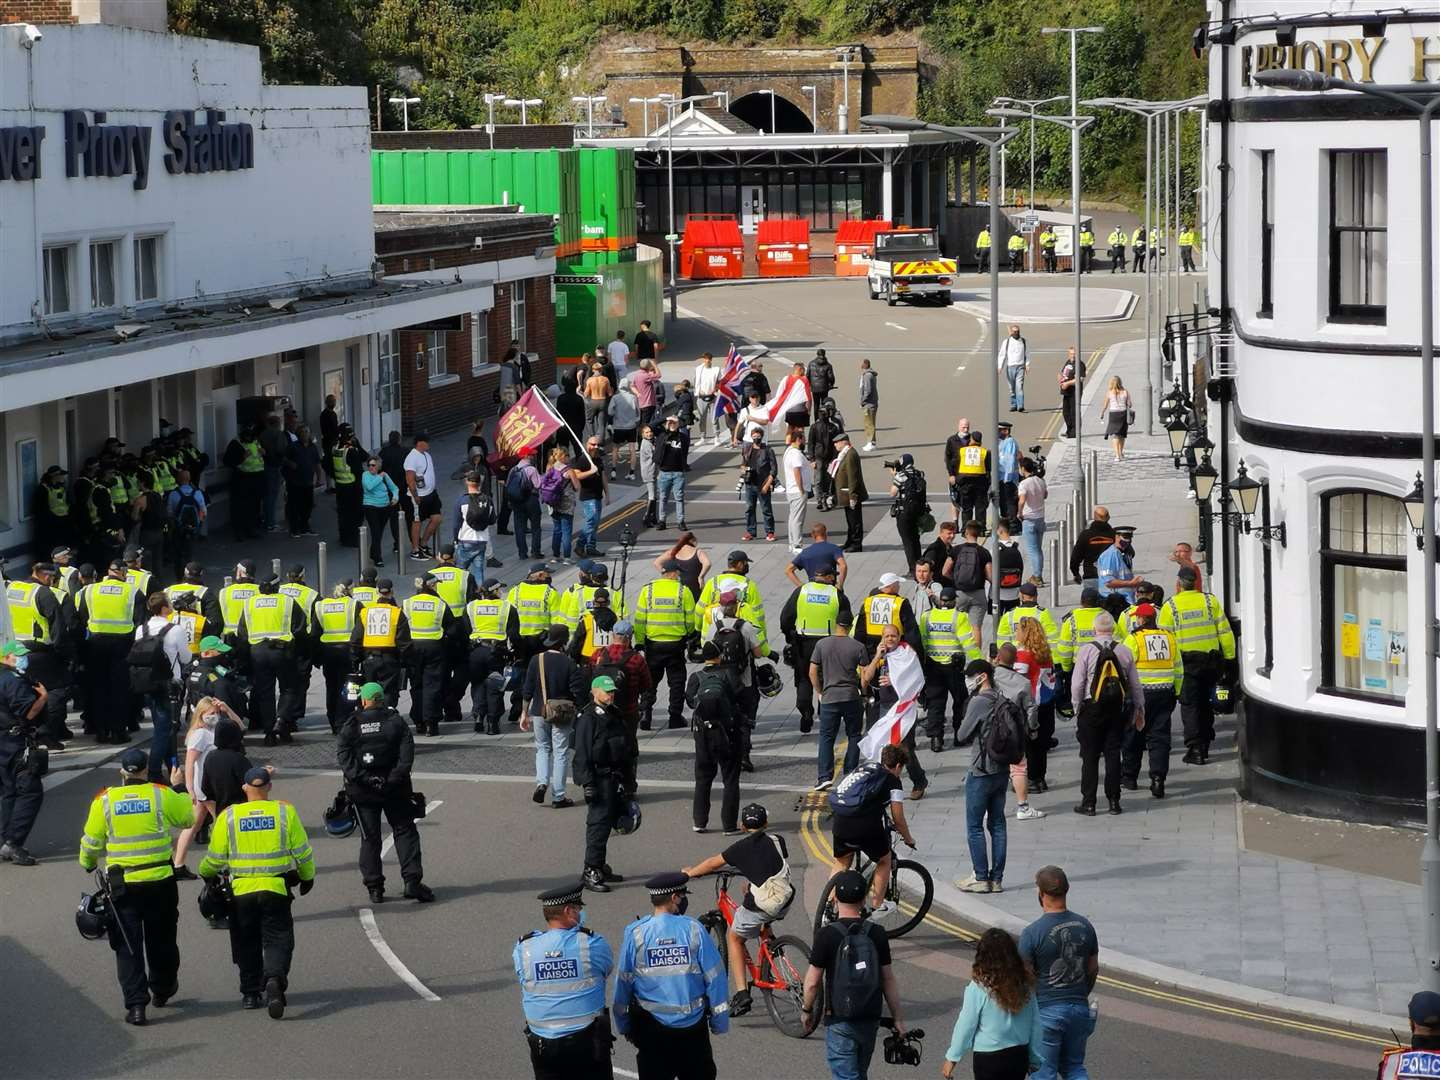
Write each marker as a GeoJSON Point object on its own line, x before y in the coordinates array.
{"type": "Point", "coordinates": [36, 11]}
{"type": "Point", "coordinates": [507, 137]}
{"type": "Point", "coordinates": [466, 397]}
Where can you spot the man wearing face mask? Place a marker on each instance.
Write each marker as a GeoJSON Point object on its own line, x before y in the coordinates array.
{"type": "Point", "coordinates": [758, 470]}
{"type": "Point", "coordinates": [671, 990]}
{"type": "Point", "coordinates": [21, 789]}
{"type": "Point", "coordinates": [562, 971]}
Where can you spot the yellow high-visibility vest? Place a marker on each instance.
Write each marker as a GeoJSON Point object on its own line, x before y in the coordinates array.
{"type": "Point", "coordinates": [426, 615]}
{"type": "Point", "coordinates": [267, 617]}
{"type": "Point", "coordinates": [232, 602]}
{"type": "Point", "coordinates": [535, 604]}
{"type": "Point", "coordinates": [1198, 622]}
{"type": "Point", "coordinates": [486, 619]}
{"type": "Point", "coordinates": [341, 467]}
{"type": "Point", "coordinates": [972, 461]}
{"type": "Point", "coordinates": [25, 618]}
{"type": "Point", "coordinates": [816, 609]}
{"type": "Point", "coordinates": [1157, 657]}
{"type": "Point", "coordinates": [336, 618]}
{"type": "Point", "coordinates": [450, 587]}
{"type": "Point", "coordinates": [380, 622]}
{"type": "Point", "coordinates": [303, 595]}
{"type": "Point", "coordinates": [254, 459]}
{"type": "Point", "coordinates": [192, 625]}
{"type": "Point", "coordinates": [131, 824]}
{"type": "Point", "coordinates": [664, 611]}
{"type": "Point", "coordinates": [110, 607]}
{"type": "Point", "coordinates": [258, 843]}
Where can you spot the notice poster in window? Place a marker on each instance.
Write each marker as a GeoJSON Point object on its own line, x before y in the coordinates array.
{"type": "Point", "coordinates": [1374, 641]}
{"type": "Point", "coordinates": [1398, 648]}
{"type": "Point", "coordinates": [1350, 636]}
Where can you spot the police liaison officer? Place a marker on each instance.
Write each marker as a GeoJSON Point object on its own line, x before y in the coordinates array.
{"type": "Point", "coordinates": [671, 990]}
{"type": "Point", "coordinates": [562, 971]}
{"type": "Point", "coordinates": [261, 845]}
{"type": "Point", "coordinates": [21, 788]}
{"type": "Point", "coordinates": [1422, 1058]}
{"type": "Point", "coordinates": [376, 751]}
{"type": "Point", "coordinates": [131, 824]}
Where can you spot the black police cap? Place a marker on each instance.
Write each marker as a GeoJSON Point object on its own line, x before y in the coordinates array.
{"type": "Point", "coordinates": [572, 892]}
{"type": "Point", "coordinates": [663, 885]}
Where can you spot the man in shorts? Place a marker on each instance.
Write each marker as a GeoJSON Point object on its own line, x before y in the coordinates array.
{"type": "Point", "coordinates": [420, 486]}
{"type": "Point", "coordinates": [759, 856]}
{"type": "Point", "coordinates": [865, 829]}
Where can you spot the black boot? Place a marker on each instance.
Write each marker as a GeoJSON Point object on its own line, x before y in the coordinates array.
{"type": "Point", "coordinates": [806, 724]}
{"type": "Point", "coordinates": [937, 744]}
{"type": "Point", "coordinates": [1088, 809]}
{"type": "Point", "coordinates": [1157, 786]}
{"type": "Point", "coordinates": [1114, 806]}
{"type": "Point", "coordinates": [1131, 783]}
{"type": "Point", "coordinates": [595, 880]}
{"type": "Point", "coordinates": [1192, 756]}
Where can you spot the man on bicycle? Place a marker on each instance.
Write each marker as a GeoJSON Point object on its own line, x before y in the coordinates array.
{"type": "Point", "coordinates": [860, 802]}
{"type": "Point", "coordinates": [763, 860]}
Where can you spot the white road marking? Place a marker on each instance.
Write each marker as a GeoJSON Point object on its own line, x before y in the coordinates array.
{"type": "Point", "coordinates": [895, 326]}
{"type": "Point", "coordinates": [623, 1072]}
{"type": "Point", "coordinates": [389, 843]}
{"type": "Point", "coordinates": [367, 920]}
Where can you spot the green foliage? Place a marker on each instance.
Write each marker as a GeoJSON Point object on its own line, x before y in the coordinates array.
{"type": "Point", "coordinates": [451, 52]}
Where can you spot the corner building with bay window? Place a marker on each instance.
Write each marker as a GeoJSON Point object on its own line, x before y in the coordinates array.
{"type": "Point", "coordinates": [1316, 389]}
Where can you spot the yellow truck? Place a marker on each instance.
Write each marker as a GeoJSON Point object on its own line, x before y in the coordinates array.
{"type": "Point", "coordinates": [907, 265]}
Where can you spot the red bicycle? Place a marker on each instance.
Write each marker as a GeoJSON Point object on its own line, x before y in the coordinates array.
{"type": "Point", "coordinates": [778, 971]}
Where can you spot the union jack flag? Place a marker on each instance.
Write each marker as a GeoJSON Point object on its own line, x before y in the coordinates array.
{"type": "Point", "coordinates": [727, 388]}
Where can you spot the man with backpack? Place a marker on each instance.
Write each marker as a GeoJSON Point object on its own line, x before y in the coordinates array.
{"type": "Point", "coordinates": [1108, 695]}
{"type": "Point", "coordinates": [186, 509]}
{"type": "Point", "coordinates": [522, 489]}
{"type": "Point", "coordinates": [822, 379]}
{"type": "Point", "coordinates": [908, 504]}
{"type": "Point", "coordinates": [996, 726]}
{"type": "Point", "coordinates": [157, 664]}
{"type": "Point", "coordinates": [851, 957]}
{"type": "Point", "coordinates": [859, 804]}
{"type": "Point", "coordinates": [716, 721]}
{"type": "Point", "coordinates": [740, 644]}
{"type": "Point", "coordinates": [470, 522]}
{"type": "Point", "coordinates": [630, 672]}
{"type": "Point", "coordinates": [970, 571]}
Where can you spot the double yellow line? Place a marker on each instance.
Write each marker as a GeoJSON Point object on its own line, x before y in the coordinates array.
{"type": "Point", "coordinates": [814, 839]}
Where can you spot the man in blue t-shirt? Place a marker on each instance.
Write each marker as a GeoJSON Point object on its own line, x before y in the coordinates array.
{"type": "Point", "coordinates": [816, 554]}
{"type": "Point", "coordinates": [1062, 950]}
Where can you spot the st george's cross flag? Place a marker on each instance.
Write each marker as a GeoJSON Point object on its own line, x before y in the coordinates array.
{"type": "Point", "coordinates": [793, 395]}
{"type": "Point", "coordinates": [907, 679]}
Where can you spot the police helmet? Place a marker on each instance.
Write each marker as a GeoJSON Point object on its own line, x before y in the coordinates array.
{"type": "Point", "coordinates": [92, 916]}
{"type": "Point", "coordinates": [215, 899]}
{"type": "Point", "coordinates": [768, 681]}
{"type": "Point", "coordinates": [629, 820]}
{"type": "Point", "coordinates": [340, 816]}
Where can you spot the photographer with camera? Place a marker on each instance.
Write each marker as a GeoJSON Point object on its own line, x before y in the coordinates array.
{"type": "Point", "coordinates": [908, 505]}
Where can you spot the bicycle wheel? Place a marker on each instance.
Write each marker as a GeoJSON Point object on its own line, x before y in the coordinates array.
{"type": "Point", "coordinates": [912, 891]}
{"type": "Point", "coordinates": [825, 911]}
{"type": "Point", "coordinates": [714, 924]}
{"type": "Point", "coordinates": [785, 961]}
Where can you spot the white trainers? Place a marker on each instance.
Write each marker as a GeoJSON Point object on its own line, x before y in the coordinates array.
{"type": "Point", "coordinates": [868, 448]}
{"type": "Point", "coordinates": [972, 885]}
{"type": "Point", "coordinates": [886, 907]}
{"type": "Point", "coordinates": [1026, 812]}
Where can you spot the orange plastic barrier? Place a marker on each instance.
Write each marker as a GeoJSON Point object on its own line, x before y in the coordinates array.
{"type": "Point", "coordinates": [782, 248]}
{"type": "Point", "coordinates": [711, 247]}
{"type": "Point", "coordinates": [855, 244]}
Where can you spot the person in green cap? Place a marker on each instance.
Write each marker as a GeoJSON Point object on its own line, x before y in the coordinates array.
{"type": "Point", "coordinates": [601, 755]}
{"type": "Point", "coordinates": [212, 674]}
{"type": "Point", "coordinates": [21, 789]}
{"type": "Point", "coordinates": [376, 750]}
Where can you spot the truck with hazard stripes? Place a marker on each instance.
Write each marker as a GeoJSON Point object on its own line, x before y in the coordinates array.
{"type": "Point", "coordinates": [907, 265]}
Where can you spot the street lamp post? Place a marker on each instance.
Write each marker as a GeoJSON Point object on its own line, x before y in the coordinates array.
{"type": "Point", "coordinates": [491, 100]}
{"type": "Point", "coordinates": [672, 103]}
{"type": "Point", "coordinates": [405, 103]}
{"type": "Point", "coordinates": [1424, 100]}
{"type": "Point", "coordinates": [1030, 106]}
{"type": "Point", "coordinates": [772, 108]}
{"type": "Point", "coordinates": [994, 138]}
{"type": "Point", "coordinates": [589, 102]}
{"type": "Point", "coordinates": [810, 92]}
{"type": "Point", "coordinates": [524, 104]}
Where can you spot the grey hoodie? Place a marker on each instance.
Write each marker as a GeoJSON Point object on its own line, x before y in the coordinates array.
{"type": "Point", "coordinates": [1016, 687]}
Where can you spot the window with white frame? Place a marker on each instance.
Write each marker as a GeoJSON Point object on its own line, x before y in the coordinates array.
{"type": "Point", "coordinates": [517, 313]}
{"type": "Point", "coordinates": [147, 268]}
{"type": "Point", "coordinates": [1365, 541]}
{"type": "Point", "coordinates": [435, 355]}
{"type": "Point", "coordinates": [1267, 234]}
{"type": "Point", "coordinates": [479, 342]}
{"type": "Point", "coordinates": [102, 273]}
{"type": "Point", "coordinates": [1358, 240]}
{"type": "Point", "coordinates": [59, 265]}
{"type": "Point", "coordinates": [388, 390]}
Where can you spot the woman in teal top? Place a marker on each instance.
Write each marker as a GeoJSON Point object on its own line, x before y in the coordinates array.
{"type": "Point", "coordinates": [999, 1019]}
{"type": "Point", "coordinates": [378, 498]}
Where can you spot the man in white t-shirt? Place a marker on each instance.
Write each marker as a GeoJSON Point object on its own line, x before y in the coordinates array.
{"type": "Point", "coordinates": [420, 483]}
{"type": "Point", "coordinates": [1012, 361]}
{"type": "Point", "coordinates": [619, 353]}
{"type": "Point", "coordinates": [707, 378]}
{"type": "Point", "coordinates": [795, 468]}
{"type": "Point", "coordinates": [750, 419]}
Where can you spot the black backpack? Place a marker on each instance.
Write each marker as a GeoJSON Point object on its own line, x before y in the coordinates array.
{"type": "Point", "coordinates": [714, 689]}
{"type": "Point", "coordinates": [1109, 689]}
{"type": "Point", "coordinates": [187, 512]}
{"type": "Point", "coordinates": [855, 977]}
{"type": "Point", "coordinates": [615, 669]}
{"type": "Point", "coordinates": [1004, 741]}
{"type": "Point", "coordinates": [479, 511]}
{"type": "Point", "coordinates": [968, 572]}
{"type": "Point", "coordinates": [518, 485]}
{"type": "Point", "coordinates": [731, 643]}
{"type": "Point", "coordinates": [150, 669]}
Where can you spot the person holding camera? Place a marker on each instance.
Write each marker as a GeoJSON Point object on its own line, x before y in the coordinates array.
{"type": "Point", "coordinates": [908, 505]}
{"type": "Point", "coordinates": [376, 751]}
{"type": "Point", "coordinates": [757, 475]}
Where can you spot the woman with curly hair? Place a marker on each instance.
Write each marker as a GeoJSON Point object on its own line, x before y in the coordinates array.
{"type": "Point", "coordinates": [999, 1020]}
{"type": "Point", "coordinates": [1034, 660]}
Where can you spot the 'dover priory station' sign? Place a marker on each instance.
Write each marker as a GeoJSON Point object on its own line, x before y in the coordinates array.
{"type": "Point", "coordinates": [1351, 59]}
{"type": "Point", "coordinates": [95, 148]}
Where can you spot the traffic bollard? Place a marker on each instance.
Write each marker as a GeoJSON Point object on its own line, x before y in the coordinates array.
{"type": "Point", "coordinates": [1054, 563]}
{"type": "Point", "coordinates": [1092, 480]}
{"type": "Point", "coordinates": [275, 568]}
{"type": "Point", "coordinates": [322, 557]}
{"type": "Point", "coordinates": [400, 539]}
{"type": "Point", "coordinates": [364, 548]}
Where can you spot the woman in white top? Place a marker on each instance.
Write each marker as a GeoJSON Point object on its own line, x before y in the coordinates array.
{"type": "Point", "coordinates": [199, 741]}
{"type": "Point", "coordinates": [1117, 412]}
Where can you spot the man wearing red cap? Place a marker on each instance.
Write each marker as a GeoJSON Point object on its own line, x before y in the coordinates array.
{"type": "Point", "coordinates": [1157, 656]}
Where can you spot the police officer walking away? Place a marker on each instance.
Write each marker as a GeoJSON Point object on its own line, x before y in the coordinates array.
{"type": "Point", "coordinates": [381, 635]}
{"type": "Point", "coordinates": [335, 620]}
{"type": "Point", "coordinates": [1207, 653]}
{"type": "Point", "coordinates": [261, 844]}
{"type": "Point", "coordinates": [432, 633]}
{"type": "Point", "coordinates": [562, 971]}
{"type": "Point", "coordinates": [131, 824]}
{"type": "Point", "coordinates": [21, 788]}
{"type": "Point", "coordinates": [664, 620]}
{"type": "Point", "coordinates": [41, 616]}
{"type": "Point", "coordinates": [271, 624]}
{"type": "Point", "coordinates": [485, 619]}
{"type": "Point", "coordinates": [671, 990]}
{"type": "Point", "coordinates": [1422, 1057]}
{"type": "Point", "coordinates": [808, 618]}
{"type": "Point", "coordinates": [110, 610]}
{"type": "Point", "coordinates": [376, 752]}
{"type": "Point", "coordinates": [601, 755]}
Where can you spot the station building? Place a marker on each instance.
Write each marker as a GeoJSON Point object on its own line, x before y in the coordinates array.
{"type": "Point", "coordinates": [178, 237]}
{"type": "Point", "coordinates": [1315, 388]}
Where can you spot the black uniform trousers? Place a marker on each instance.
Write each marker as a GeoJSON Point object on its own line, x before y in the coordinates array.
{"type": "Point", "coordinates": [262, 939]}
{"type": "Point", "coordinates": [383, 666]}
{"type": "Point", "coordinates": [21, 792]}
{"type": "Point", "coordinates": [294, 687]}
{"type": "Point", "coordinates": [149, 913]}
{"type": "Point", "coordinates": [1037, 749]}
{"type": "Point", "coordinates": [943, 682]}
{"type": "Point", "coordinates": [107, 683]}
{"type": "Point", "coordinates": [823, 484]}
{"type": "Point", "coordinates": [974, 493]}
{"type": "Point", "coordinates": [908, 526]}
{"type": "Point", "coordinates": [1159, 712]}
{"type": "Point", "coordinates": [336, 667]}
{"type": "Point", "coordinates": [427, 662]}
{"type": "Point", "coordinates": [457, 678]}
{"type": "Point", "coordinates": [271, 666]}
{"type": "Point", "coordinates": [581, 1053]}
{"type": "Point", "coordinates": [804, 691]}
{"type": "Point", "coordinates": [706, 767]}
{"type": "Point", "coordinates": [1197, 698]}
{"type": "Point", "coordinates": [1099, 735]}
{"type": "Point", "coordinates": [347, 513]}
{"type": "Point", "coordinates": [399, 811]}
{"type": "Point", "coordinates": [50, 669]}
{"type": "Point", "coordinates": [600, 817]}
{"type": "Point", "coordinates": [487, 687]}
{"type": "Point", "coordinates": [670, 1053]}
{"type": "Point", "coordinates": [667, 658]}
{"type": "Point", "coordinates": [1067, 411]}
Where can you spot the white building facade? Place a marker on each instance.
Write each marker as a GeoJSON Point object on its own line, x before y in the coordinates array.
{"type": "Point", "coordinates": [176, 236]}
{"type": "Point", "coordinates": [1319, 396]}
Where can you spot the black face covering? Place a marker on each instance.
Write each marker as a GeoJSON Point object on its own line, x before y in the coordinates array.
{"type": "Point", "coordinates": [683, 906]}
